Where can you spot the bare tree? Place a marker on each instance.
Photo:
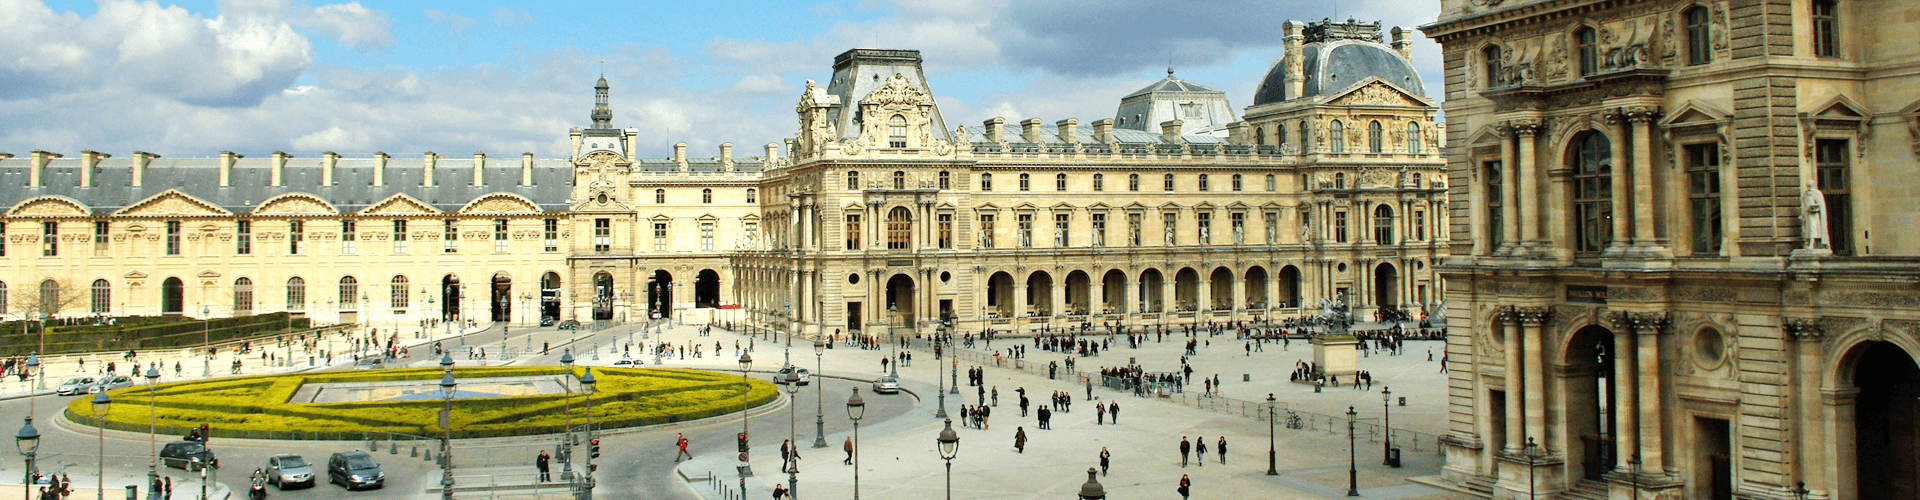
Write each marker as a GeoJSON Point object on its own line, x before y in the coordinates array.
{"type": "Point", "coordinates": [43, 298]}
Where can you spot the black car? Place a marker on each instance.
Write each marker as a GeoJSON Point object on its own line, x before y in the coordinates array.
{"type": "Point", "coordinates": [188, 455]}
{"type": "Point", "coordinates": [546, 321]}
{"type": "Point", "coordinates": [355, 469]}
{"type": "Point", "coordinates": [570, 325]}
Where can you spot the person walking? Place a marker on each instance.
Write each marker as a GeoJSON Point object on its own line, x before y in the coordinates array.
{"type": "Point", "coordinates": [1023, 404]}
{"type": "Point", "coordinates": [540, 463]}
{"type": "Point", "coordinates": [1099, 414]}
{"type": "Point", "coordinates": [681, 442]}
{"type": "Point", "coordinates": [1020, 439]}
{"type": "Point", "coordinates": [984, 413]}
{"type": "Point", "coordinates": [1200, 451]}
{"type": "Point", "coordinates": [1222, 450]}
{"type": "Point", "coordinates": [1113, 410]}
{"type": "Point", "coordinates": [779, 491]}
{"type": "Point", "coordinates": [1104, 456]}
{"type": "Point", "coordinates": [1186, 487]}
{"type": "Point", "coordinates": [1045, 416]}
{"type": "Point", "coordinates": [1185, 448]}
{"type": "Point", "coordinates": [849, 448]}
{"type": "Point", "coordinates": [996, 395]}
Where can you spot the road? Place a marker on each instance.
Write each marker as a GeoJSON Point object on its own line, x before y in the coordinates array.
{"type": "Point", "coordinates": [635, 463]}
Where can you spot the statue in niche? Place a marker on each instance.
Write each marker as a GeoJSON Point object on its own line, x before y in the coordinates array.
{"type": "Point", "coordinates": [1813, 218]}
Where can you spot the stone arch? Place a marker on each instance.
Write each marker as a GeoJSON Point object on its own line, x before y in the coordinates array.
{"type": "Point", "coordinates": [1220, 289]}
{"type": "Point", "coordinates": [1113, 292]}
{"type": "Point", "coordinates": [1079, 293]}
{"type": "Point", "coordinates": [1040, 293]}
{"type": "Point", "coordinates": [1876, 415]}
{"type": "Point", "coordinates": [1186, 289]}
{"type": "Point", "coordinates": [500, 203]}
{"type": "Point", "coordinates": [1591, 400]}
{"type": "Point", "coordinates": [900, 300]}
{"type": "Point", "coordinates": [296, 204]}
{"type": "Point", "coordinates": [1000, 297]}
{"type": "Point", "coordinates": [49, 206]}
{"type": "Point", "coordinates": [1152, 293]}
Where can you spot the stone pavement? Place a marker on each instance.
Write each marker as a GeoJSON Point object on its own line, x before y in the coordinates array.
{"type": "Point", "coordinates": [899, 458]}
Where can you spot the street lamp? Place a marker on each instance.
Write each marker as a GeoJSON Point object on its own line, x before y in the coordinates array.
{"type": "Point", "coordinates": [206, 341]}
{"type": "Point", "coordinates": [955, 388]}
{"type": "Point", "coordinates": [1271, 471]}
{"type": "Point", "coordinates": [28, 442]}
{"type": "Point", "coordinates": [746, 362]}
{"type": "Point", "coordinates": [793, 455]}
{"type": "Point", "coordinates": [856, 408]}
{"type": "Point", "coordinates": [1532, 452]}
{"type": "Point", "coordinates": [101, 404]}
{"type": "Point", "coordinates": [587, 383]}
{"type": "Point", "coordinates": [448, 386]}
{"type": "Point", "coordinates": [942, 391]}
{"type": "Point", "coordinates": [1092, 489]}
{"type": "Point", "coordinates": [1386, 412]}
{"type": "Point", "coordinates": [153, 450]}
{"type": "Point", "coordinates": [949, 446]}
{"type": "Point", "coordinates": [1353, 467]}
{"type": "Point", "coordinates": [819, 408]}
{"type": "Point", "coordinates": [566, 441]}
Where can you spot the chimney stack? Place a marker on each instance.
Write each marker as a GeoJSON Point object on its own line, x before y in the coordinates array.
{"type": "Point", "coordinates": [327, 162]}
{"type": "Point", "coordinates": [479, 165]}
{"type": "Point", "coordinates": [1103, 130]}
{"type": "Point", "coordinates": [726, 156]}
{"type": "Point", "coordinates": [1237, 133]}
{"type": "Point", "coordinates": [1030, 130]}
{"type": "Point", "coordinates": [526, 169]}
{"type": "Point", "coordinates": [40, 159]}
{"type": "Point", "coordinates": [426, 168]}
{"type": "Point", "coordinates": [680, 155]}
{"type": "Point", "coordinates": [993, 128]}
{"type": "Point", "coordinates": [1296, 77]}
{"type": "Point", "coordinates": [140, 161]}
{"type": "Point", "coordinates": [773, 152]}
{"type": "Point", "coordinates": [379, 168]}
{"type": "Point", "coordinates": [227, 158]}
{"type": "Point", "coordinates": [279, 166]}
{"type": "Point", "coordinates": [1069, 130]}
{"type": "Point", "coordinates": [1401, 44]}
{"type": "Point", "coordinates": [1170, 129]}
{"type": "Point", "coordinates": [89, 159]}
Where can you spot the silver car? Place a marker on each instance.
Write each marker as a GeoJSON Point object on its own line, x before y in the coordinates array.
{"type": "Point", "coordinates": [886, 384]}
{"type": "Point", "coordinates": [780, 377]}
{"type": "Point", "coordinates": [111, 383]}
{"type": "Point", "coordinates": [289, 470]}
{"type": "Point", "coordinates": [76, 385]}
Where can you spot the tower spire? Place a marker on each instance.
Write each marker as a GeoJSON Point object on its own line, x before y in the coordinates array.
{"type": "Point", "coordinates": [602, 114]}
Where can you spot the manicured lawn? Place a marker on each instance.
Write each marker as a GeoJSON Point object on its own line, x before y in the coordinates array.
{"type": "Point", "coordinates": [257, 407]}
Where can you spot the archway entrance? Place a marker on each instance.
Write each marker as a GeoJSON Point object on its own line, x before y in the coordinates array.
{"type": "Point", "coordinates": [1220, 289]}
{"type": "Point", "coordinates": [706, 289]}
{"type": "Point", "coordinates": [501, 300]}
{"type": "Point", "coordinates": [1152, 291]}
{"type": "Point", "coordinates": [1885, 429]}
{"type": "Point", "coordinates": [1040, 294]}
{"type": "Point", "coordinates": [1289, 287]}
{"type": "Point", "coordinates": [550, 296]}
{"type": "Point", "coordinates": [449, 297]}
{"type": "Point", "coordinates": [1079, 289]}
{"type": "Point", "coordinates": [603, 296]}
{"type": "Point", "coordinates": [1386, 286]}
{"type": "Point", "coordinates": [172, 296]}
{"type": "Point", "coordinates": [900, 300]}
{"type": "Point", "coordinates": [1257, 288]}
{"type": "Point", "coordinates": [1000, 294]}
{"type": "Point", "coordinates": [1186, 290]}
{"type": "Point", "coordinates": [1114, 287]}
{"type": "Point", "coordinates": [1592, 400]}
{"type": "Point", "coordinates": [660, 294]}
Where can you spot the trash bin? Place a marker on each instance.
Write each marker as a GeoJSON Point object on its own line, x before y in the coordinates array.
{"type": "Point", "coordinates": [1246, 377]}
{"type": "Point", "coordinates": [1403, 400]}
{"type": "Point", "coordinates": [1393, 457]}
{"type": "Point", "coordinates": [133, 492]}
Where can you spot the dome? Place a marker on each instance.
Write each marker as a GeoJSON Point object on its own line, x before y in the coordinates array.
{"type": "Point", "coordinates": [1334, 65]}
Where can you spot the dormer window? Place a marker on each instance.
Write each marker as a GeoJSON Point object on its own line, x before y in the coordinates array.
{"type": "Point", "coordinates": [897, 132]}
{"type": "Point", "coordinates": [1587, 43]}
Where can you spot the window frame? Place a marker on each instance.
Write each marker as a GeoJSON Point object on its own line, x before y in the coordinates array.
{"type": "Point", "coordinates": [1699, 31]}
{"type": "Point", "coordinates": [1586, 43]}
{"type": "Point", "coordinates": [1705, 194]}
{"type": "Point", "coordinates": [1591, 192]}
{"type": "Point", "coordinates": [1337, 137]}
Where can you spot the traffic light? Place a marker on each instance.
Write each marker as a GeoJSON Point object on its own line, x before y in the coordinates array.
{"type": "Point", "coordinates": [743, 447]}
{"type": "Point", "coordinates": [595, 450]}
{"type": "Point", "coordinates": [206, 433]}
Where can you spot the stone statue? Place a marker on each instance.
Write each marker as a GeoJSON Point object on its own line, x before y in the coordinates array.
{"type": "Point", "coordinates": [1813, 218]}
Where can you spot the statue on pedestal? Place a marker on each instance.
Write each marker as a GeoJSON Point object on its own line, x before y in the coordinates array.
{"type": "Point", "coordinates": [1813, 218]}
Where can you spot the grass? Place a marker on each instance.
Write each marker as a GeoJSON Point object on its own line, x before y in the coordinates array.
{"type": "Point", "coordinates": [258, 407]}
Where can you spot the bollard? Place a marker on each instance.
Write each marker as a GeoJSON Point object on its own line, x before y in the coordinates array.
{"type": "Point", "coordinates": [1246, 377]}
{"type": "Point", "coordinates": [373, 445]}
{"type": "Point", "coordinates": [415, 452]}
{"type": "Point", "coordinates": [393, 448]}
{"type": "Point", "coordinates": [1403, 400]}
{"type": "Point", "coordinates": [429, 455]}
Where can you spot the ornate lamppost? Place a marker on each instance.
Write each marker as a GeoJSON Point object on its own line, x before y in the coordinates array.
{"type": "Point", "coordinates": [206, 341]}
{"type": "Point", "coordinates": [587, 383]}
{"type": "Point", "coordinates": [448, 387]}
{"type": "Point", "coordinates": [856, 408]}
{"type": "Point", "coordinates": [101, 403]}
{"type": "Point", "coordinates": [1091, 490]}
{"type": "Point", "coordinates": [1353, 467]}
{"type": "Point", "coordinates": [942, 391]}
{"type": "Point", "coordinates": [1271, 402]}
{"type": "Point", "coordinates": [746, 469]}
{"type": "Point", "coordinates": [153, 450]}
{"type": "Point", "coordinates": [949, 446]}
{"type": "Point", "coordinates": [28, 442]}
{"type": "Point", "coordinates": [1386, 412]}
{"type": "Point", "coordinates": [819, 407]}
{"type": "Point", "coordinates": [793, 455]}
{"type": "Point", "coordinates": [566, 405]}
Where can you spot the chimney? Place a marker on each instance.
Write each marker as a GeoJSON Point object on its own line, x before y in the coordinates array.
{"type": "Point", "coordinates": [1103, 130]}
{"type": "Point", "coordinates": [1069, 130]}
{"type": "Point", "coordinates": [379, 168]}
{"type": "Point", "coordinates": [227, 158]}
{"type": "Point", "coordinates": [1237, 133]}
{"type": "Point", "coordinates": [426, 168]}
{"type": "Point", "coordinates": [680, 155]}
{"type": "Point", "coordinates": [726, 156]}
{"type": "Point", "coordinates": [574, 136]}
{"type": "Point", "coordinates": [88, 160]}
{"type": "Point", "coordinates": [479, 165]}
{"type": "Point", "coordinates": [1030, 130]}
{"type": "Point", "coordinates": [526, 169]}
{"type": "Point", "coordinates": [40, 159]}
{"type": "Point", "coordinates": [773, 153]}
{"type": "Point", "coordinates": [327, 161]}
{"type": "Point", "coordinates": [1401, 44]}
{"type": "Point", "coordinates": [993, 128]}
{"type": "Point", "coordinates": [1170, 129]}
{"type": "Point", "coordinates": [631, 138]}
{"type": "Point", "coordinates": [1296, 77]}
{"type": "Point", "coordinates": [140, 161]}
{"type": "Point", "coordinates": [279, 165]}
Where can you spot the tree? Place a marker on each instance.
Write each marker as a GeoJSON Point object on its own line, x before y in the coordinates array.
{"type": "Point", "coordinates": [45, 299]}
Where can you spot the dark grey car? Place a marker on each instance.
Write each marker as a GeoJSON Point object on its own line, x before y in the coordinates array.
{"type": "Point", "coordinates": [355, 470]}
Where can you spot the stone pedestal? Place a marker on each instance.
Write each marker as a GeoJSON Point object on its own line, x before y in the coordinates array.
{"type": "Point", "coordinates": [1521, 478]}
{"type": "Point", "coordinates": [1336, 355]}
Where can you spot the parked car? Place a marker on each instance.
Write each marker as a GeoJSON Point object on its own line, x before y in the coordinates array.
{"type": "Point", "coordinates": [110, 383]}
{"type": "Point", "coordinates": [570, 325]}
{"type": "Point", "coordinates": [886, 384]}
{"type": "Point", "coordinates": [73, 386]}
{"type": "Point", "coordinates": [284, 470]}
{"type": "Point", "coordinates": [780, 377]}
{"type": "Point", "coordinates": [370, 363]}
{"type": "Point", "coordinates": [188, 455]}
{"type": "Point", "coordinates": [546, 321]}
{"type": "Point", "coordinates": [355, 469]}
{"type": "Point", "coordinates": [624, 361]}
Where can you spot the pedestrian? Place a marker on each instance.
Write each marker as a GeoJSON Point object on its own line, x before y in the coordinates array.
{"type": "Point", "coordinates": [1223, 449]}
{"type": "Point", "coordinates": [540, 463]}
{"type": "Point", "coordinates": [996, 395]}
{"type": "Point", "coordinates": [1044, 417]}
{"type": "Point", "coordinates": [1185, 448]}
{"type": "Point", "coordinates": [1103, 460]}
{"type": "Point", "coordinates": [681, 442]}
{"type": "Point", "coordinates": [1099, 414]}
{"type": "Point", "coordinates": [1023, 404]}
{"type": "Point", "coordinates": [1186, 486]}
{"type": "Point", "coordinates": [1020, 439]}
{"type": "Point", "coordinates": [963, 416]}
{"type": "Point", "coordinates": [849, 448]}
{"type": "Point", "coordinates": [1200, 451]}
{"type": "Point", "coordinates": [1089, 388]}
{"type": "Point", "coordinates": [1113, 410]}
{"type": "Point", "coordinates": [779, 491]}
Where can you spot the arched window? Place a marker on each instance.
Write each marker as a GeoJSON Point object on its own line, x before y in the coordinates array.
{"type": "Point", "coordinates": [1270, 185]}
{"type": "Point", "coordinates": [1383, 225]}
{"type": "Point", "coordinates": [1166, 182]}
{"type": "Point", "coordinates": [853, 180]}
{"type": "Point", "coordinates": [1203, 182]}
{"type": "Point", "coordinates": [1259, 137]}
{"type": "Point", "coordinates": [1280, 134]}
{"type": "Point", "coordinates": [1236, 182]}
{"type": "Point", "coordinates": [1304, 136]}
{"type": "Point", "coordinates": [1374, 142]}
{"type": "Point", "coordinates": [1133, 182]}
{"type": "Point", "coordinates": [1340, 180]}
{"type": "Point", "coordinates": [659, 196]}
{"type": "Point", "coordinates": [946, 180]}
{"type": "Point", "coordinates": [1826, 23]}
{"type": "Point", "coordinates": [753, 195]}
{"type": "Point", "coordinates": [296, 294]}
{"type": "Point", "coordinates": [897, 132]}
{"type": "Point", "coordinates": [1413, 137]}
{"type": "Point", "coordinates": [349, 293]}
{"type": "Point", "coordinates": [899, 229]}
{"type": "Point", "coordinates": [1592, 192]}
{"type": "Point", "coordinates": [1587, 43]}
{"type": "Point", "coordinates": [102, 297]}
{"type": "Point", "coordinates": [1026, 182]}
{"type": "Point", "coordinates": [242, 297]}
{"type": "Point", "coordinates": [986, 182]}
{"type": "Point", "coordinates": [50, 298]}
{"type": "Point", "coordinates": [899, 179]}
{"type": "Point", "coordinates": [1099, 182]}
{"type": "Point", "coordinates": [1490, 63]}
{"type": "Point", "coordinates": [1059, 182]}
{"type": "Point", "coordinates": [1337, 137]}
{"type": "Point", "coordinates": [3, 297]}
{"type": "Point", "coordinates": [706, 195]}
{"type": "Point", "coordinates": [397, 292]}
{"type": "Point", "coordinates": [1699, 37]}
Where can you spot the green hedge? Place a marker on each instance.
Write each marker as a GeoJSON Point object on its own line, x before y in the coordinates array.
{"type": "Point", "coordinates": [142, 333]}
{"type": "Point", "coordinates": [258, 407]}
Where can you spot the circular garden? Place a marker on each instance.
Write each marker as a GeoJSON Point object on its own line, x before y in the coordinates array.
{"type": "Point", "coordinates": [261, 407]}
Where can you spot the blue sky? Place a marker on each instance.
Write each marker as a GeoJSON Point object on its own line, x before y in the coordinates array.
{"type": "Point", "coordinates": [192, 78]}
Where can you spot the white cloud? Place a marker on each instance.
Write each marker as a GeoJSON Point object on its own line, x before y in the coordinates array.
{"type": "Point", "coordinates": [351, 24]}
{"type": "Point", "coordinates": [762, 84]}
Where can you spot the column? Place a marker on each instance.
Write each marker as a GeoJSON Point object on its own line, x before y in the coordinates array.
{"type": "Point", "coordinates": [1624, 204]}
{"type": "Point", "coordinates": [1516, 429]}
{"type": "Point", "coordinates": [1648, 327]}
{"type": "Point", "coordinates": [1509, 188]}
{"type": "Point", "coordinates": [1626, 429]}
{"type": "Point", "coordinates": [1532, 322]}
{"type": "Point", "coordinates": [1020, 302]}
{"type": "Point", "coordinates": [1097, 303]}
{"type": "Point", "coordinates": [1203, 293]}
{"type": "Point", "coordinates": [1057, 294]}
{"type": "Point", "coordinates": [1239, 294]}
{"type": "Point", "coordinates": [1529, 185]}
{"type": "Point", "coordinates": [1642, 120]}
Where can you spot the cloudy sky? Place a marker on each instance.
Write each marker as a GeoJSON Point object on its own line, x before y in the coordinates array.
{"type": "Point", "coordinates": [191, 78]}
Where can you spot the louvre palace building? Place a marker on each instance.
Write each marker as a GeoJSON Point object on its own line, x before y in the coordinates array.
{"type": "Point", "coordinates": [877, 216]}
{"type": "Point", "coordinates": [1682, 248]}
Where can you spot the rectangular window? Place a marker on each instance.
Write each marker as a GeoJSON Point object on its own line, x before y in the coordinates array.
{"type": "Point", "coordinates": [243, 243]}
{"type": "Point", "coordinates": [1830, 158]}
{"type": "Point", "coordinates": [1133, 182]}
{"type": "Point", "coordinates": [550, 235]}
{"type": "Point", "coordinates": [1203, 221]}
{"type": "Point", "coordinates": [1495, 203]}
{"type": "Point", "coordinates": [602, 235]}
{"type": "Point", "coordinates": [1169, 221]}
{"type": "Point", "coordinates": [173, 237]}
{"type": "Point", "coordinates": [449, 236]}
{"type": "Point", "coordinates": [1340, 226]}
{"type": "Point", "coordinates": [296, 236]}
{"type": "Point", "coordinates": [49, 239]}
{"type": "Point", "coordinates": [659, 236]}
{"type": "Point", "coordinates": [1099, 230]}
{"type": "Point", "coordinates": [853, 231]}
{"type": "Point", "coordinates": [500, 236]}
{"type": "Point", "coordinates": [946, 231]}
{"type": "Point", "coordinates": [347, 236]}
{"type": "Point", "coordinates": [1419, 225]}
{"type": "Point", "coordinates": [1133, 229]}
{"type": "Point", "coordinates": [1270, 182]}
{"type": "Point", "coordinates": [3, 252]}
{"type": "Point", "coordinates": [100, 229]}
{"type": "Point", "coordinates": [1061, 237]}
{"type": "Point", "coordinates": [399, 236]}
{"type": "Point", "coordinates": [1099, 182]}
{"type": "Point", "coordinates": [1060, 182]}
{"type": "Point", "coordinates": [1166, 183]}
{"type": "Point", "coordinates": [986, 230]}
{"type": "Point", "coordinates": [1239, 222]}
{"type": "Point", "coordinates": [1273, 228]}
{"type": "Point", "coordinates": [1026, 230]}
{"type": "Point", "coordinates": [706, 236]}
{"type": "Point", "coordinates": [1825, 28]}
{"type": "Point", "coordinates": [986, 182]}
{"type": "Point", "coordinates": [751, 233]}
{"type": "Point", "coordinates": [1025, 183]}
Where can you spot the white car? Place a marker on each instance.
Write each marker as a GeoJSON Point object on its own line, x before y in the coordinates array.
{"type": "Point", "coordinates": [108, 384]}
{"type": "Point", "coordinates": [780, 377]}
{"type": "Point", "coordinates": [76, 385]}
{"type": "Point", "coordinates": [886, 384]}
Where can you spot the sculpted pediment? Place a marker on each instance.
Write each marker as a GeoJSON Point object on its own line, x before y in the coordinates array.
{"type": "Point", "coordinates": [500, 203]}
{"type": "Point", "coordinates": [1377, 92]}
{"type": "Point", "coordinates": [173, 203]}
{"type": "Point", "coordinates": [49, 206]}
{"type": "Point", "coordinates": [898, 92]}
{"type": "Point", "coordinates": [296, 204]}
{"type": "Point", "coordinates": [400, 204]}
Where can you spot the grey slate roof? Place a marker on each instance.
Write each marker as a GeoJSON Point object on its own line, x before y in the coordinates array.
{"type": "Point", "coordinates": [1084, 135]}
{"type": "Point", "coordinates": [1337, 64]}
{"type": "Point", "coordinates": [1172, 84]}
